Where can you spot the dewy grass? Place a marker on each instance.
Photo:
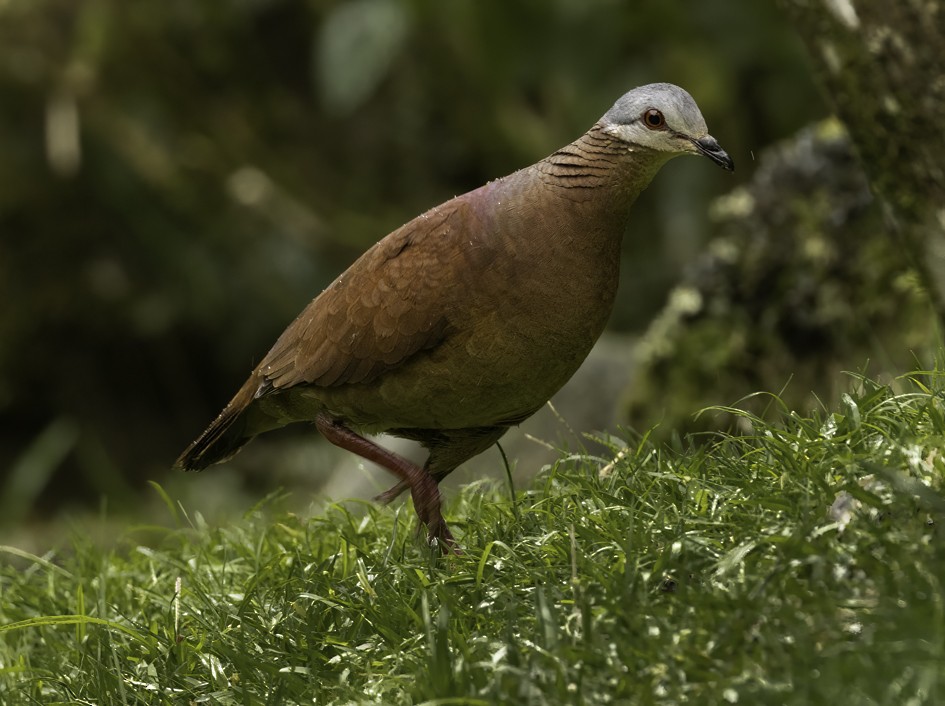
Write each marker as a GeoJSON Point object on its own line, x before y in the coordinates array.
{"type": "Point", "coordinates": [800, 564]}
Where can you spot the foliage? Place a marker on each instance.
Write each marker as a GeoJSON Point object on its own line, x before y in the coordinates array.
{"type": "Point", "coordinates": [800, 564]}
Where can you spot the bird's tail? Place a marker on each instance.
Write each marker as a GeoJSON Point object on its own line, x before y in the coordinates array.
{"type": "Point", "coordinates": [224, 437]}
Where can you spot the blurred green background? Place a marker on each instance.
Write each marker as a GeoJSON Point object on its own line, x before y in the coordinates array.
{"type": "Point", "coordinates": [178, 179]}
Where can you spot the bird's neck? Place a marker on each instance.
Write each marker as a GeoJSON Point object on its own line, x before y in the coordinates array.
{"type": "Point", "coordinates": [600, 171]}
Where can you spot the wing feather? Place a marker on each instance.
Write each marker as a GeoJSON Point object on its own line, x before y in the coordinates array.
{"type": "Point", "coordinates": [390, 304]}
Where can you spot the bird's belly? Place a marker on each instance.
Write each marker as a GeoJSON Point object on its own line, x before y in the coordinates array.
{"type": "Point", "coordinates": [490, 375]}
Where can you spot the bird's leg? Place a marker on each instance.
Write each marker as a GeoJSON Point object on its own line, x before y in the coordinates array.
{"type": "Point", "coordinates": [436, 527]}
{"type": "Point", "coordinates": [447, 451]}
{"type": "Point", "coordinates": [423, 487]}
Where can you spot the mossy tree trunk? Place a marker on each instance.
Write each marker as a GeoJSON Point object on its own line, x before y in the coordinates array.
{"type": "Point", "coordinates": [882, 66]}
{"type": "Point", "coordinates": [806, 276]}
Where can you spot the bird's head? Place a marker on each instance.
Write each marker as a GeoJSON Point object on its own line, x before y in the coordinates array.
{"type": "Point", "coordinates": [664, 118]}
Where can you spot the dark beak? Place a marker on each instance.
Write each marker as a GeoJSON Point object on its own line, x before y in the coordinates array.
{"type": "Point", "coordinates": [710, 148]}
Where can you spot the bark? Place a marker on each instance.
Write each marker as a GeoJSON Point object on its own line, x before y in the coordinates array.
{"type": "Point", "coordinates": [882, 66]}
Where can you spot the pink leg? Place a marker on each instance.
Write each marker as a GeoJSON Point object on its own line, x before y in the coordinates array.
{"type": "Point", "coordinates": [423, 487]}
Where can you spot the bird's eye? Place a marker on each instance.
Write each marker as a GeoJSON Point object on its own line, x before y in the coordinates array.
{"type": "Point", "coordinates": [654, 119]}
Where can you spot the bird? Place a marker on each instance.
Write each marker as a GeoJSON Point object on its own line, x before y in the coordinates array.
{"type": "Point", "coordinates": [464, 321]}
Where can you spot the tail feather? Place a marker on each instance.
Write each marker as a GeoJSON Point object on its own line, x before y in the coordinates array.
{"type": "Point", "coordinates": [227, 434]}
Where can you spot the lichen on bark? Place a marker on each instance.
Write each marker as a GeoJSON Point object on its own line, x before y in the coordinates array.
{"type": "Point", "coordinates": [800, 283]}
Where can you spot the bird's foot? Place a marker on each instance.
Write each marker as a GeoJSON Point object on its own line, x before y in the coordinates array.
{"type": "Point", "coordinates": [391, 494]}
{"type": "Point", "coordinates": [439, 535]}
{"type": "Point", "coordinates": [426, 501]}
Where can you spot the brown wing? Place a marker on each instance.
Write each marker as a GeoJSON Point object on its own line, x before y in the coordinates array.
{"type": "Point", "coordinates": [390, 304]}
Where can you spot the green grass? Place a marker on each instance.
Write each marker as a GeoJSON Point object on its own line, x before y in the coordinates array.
{"type": "Point", "coordinates": [801, 564]}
